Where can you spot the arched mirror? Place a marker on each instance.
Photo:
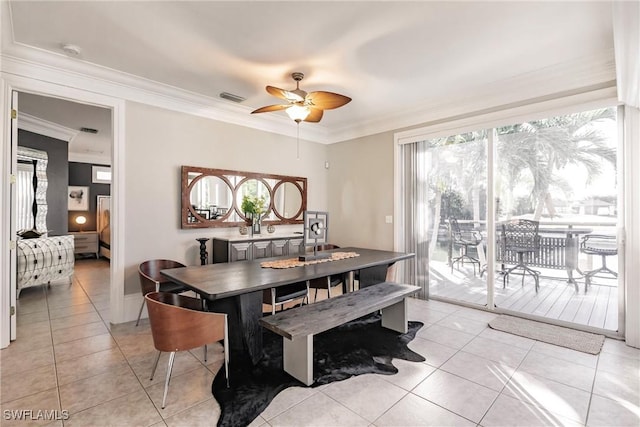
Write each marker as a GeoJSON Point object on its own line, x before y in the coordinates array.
{"type": "Point", "coordinates": [287, 200]}
{"type": "Point", "coordinates": [257, 190]}
{"type": "Point", "coordinates": [211, 197]}
{"type": "Point", "coordinates": [214, 197]}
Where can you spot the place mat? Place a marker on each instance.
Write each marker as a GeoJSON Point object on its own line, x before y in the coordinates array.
{"type": "Point", "coordinates": [585, 342]}
{"type": "Point", "coordinates": [295, 262]}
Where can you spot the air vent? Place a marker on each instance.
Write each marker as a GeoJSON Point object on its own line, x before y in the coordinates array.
{"type": "Point", "coordinates": [231, 97]}
{"type": "Point", "coordinates": [89, 130]}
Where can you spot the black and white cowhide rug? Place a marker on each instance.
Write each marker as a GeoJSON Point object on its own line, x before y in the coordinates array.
{"type": "Point", "coordinates": [359, 347]}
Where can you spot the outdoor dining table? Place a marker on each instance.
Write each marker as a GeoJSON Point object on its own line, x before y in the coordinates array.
{"type": "Point", "coordinates": [236, 288]}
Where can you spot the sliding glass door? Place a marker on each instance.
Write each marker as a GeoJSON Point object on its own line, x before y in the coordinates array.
{"type": "Point", "coordinates": [455, 185]}
{"type": "Point", "coordinates": [560, 172]}
{"type": "Point", "coordinates": [557, 175]}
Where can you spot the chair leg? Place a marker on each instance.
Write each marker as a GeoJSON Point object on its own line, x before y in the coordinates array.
{"type": "Point", "coordinates": [172, 357]}
{"type": "Point", "coordinates": [205, 353]}
{"type": "Point", "coordinates": [140, 312]}
{"type": "Point", "coordinates": [226, 350]}
{"type": "Point", "coordinates": [155, 366]}
{"type": "Point", "coordinates": [328, 287]}
{"type": "Point", "coordinates": [315, 295]}
{"type": "Point", "coordinates": [273, 300]}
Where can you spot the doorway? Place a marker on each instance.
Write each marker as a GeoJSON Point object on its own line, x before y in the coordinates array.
{"type": "Point", "coordinates": [77, 139]}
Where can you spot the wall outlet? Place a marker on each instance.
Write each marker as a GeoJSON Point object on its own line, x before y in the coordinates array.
{"type": "Point", "coordinates": [388, 219]}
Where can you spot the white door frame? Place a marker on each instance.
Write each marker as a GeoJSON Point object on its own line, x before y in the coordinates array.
{"type": "Point", "coordinates": [12, 82]}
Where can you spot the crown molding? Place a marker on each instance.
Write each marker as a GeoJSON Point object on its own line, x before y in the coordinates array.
{"type": "Point", "coordinates": [53, 130]}
{"type": "Point", "coordinates": [26, 61]}
{"type": "Point", "coordinates": [570, 76]}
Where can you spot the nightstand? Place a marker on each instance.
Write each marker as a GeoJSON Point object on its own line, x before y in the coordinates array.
{"type": "Point", "coordinates": [86, 242]}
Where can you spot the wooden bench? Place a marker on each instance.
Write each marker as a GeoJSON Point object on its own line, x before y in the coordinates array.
{"type": "Point", "coordinates": [297, 326]}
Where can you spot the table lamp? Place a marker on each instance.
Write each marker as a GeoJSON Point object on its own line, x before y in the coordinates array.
{"type": "Point", "coordinates": [81, 220]}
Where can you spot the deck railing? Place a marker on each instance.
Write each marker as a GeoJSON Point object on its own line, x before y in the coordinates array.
{"type": "Point", "coordinates": [559, 244]}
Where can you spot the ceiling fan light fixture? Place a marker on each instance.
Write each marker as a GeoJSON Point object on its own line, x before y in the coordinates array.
{"type": "Point", "coordinates": [302, 105]}
{"type": "Point", "coordinates": [298, 112]}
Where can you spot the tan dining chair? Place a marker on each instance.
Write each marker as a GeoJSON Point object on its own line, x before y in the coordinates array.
{"type": "Point", "coordinates": [178, 323]}
{"type": "Point", "coordinates": [152, 281]}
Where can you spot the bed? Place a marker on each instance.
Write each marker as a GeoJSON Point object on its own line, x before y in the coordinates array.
{"type": "Point", "coordinates": [103, 223]}
{"type": "Point", "coordinates": [44, 260]}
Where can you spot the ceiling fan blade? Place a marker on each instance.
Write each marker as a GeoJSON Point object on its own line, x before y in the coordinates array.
{"type": "Point", "coordinates": [326, 100]}
{"type": "Point", "coordinates": [270, 108]}
{"type": "Point", "coordinates": [314, 116]}
{"type": "Point", "coordinates": [284, 94]}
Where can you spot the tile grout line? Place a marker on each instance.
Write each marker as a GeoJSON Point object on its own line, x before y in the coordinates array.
{"type": "Point", "coordinates": [593, 385]}
{"type": "Point", "coordinates": [107, 325]}
{"type": "Point", "coordinates": [133, 371]}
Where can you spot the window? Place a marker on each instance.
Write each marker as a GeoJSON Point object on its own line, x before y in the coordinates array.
{"type": "Point", "coordinates": [560, 172]}
{"type": "Point", "coordinates": [101, 174]}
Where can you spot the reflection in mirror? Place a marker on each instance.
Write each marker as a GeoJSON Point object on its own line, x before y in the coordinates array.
{"type": "Point", "coordinates": [31, 192]}
{"type": "Point", "coordinates": [288, 201]}
{"type": "Point", "coordinates": [213, 197]}
{"type": "Point", "coordinates": [210, 196]}
{"type": "Point", "coordinates": [254, 188]}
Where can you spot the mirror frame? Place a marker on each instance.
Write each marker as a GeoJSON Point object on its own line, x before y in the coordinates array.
{"type": "Point", "coordinates": [187, 210]}
{"type": "Point", "coordinates": [41, 183]}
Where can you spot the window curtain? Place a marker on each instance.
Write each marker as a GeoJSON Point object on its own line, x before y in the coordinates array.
{"type": "Point", "coordinates": [414, 215]}
{"type": "Point", "coordinates": [626, 41]}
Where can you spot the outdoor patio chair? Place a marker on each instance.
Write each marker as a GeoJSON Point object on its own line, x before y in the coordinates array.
{"type": "Point", "coordinates": [463, 239]}
{"type": "Point", "coordinates": [599, 244]}
{"type": "Point", "coordinates": [521, 237]}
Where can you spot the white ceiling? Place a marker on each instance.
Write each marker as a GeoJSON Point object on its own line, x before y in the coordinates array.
{"type": "Point", "coordinates": [399, 61]}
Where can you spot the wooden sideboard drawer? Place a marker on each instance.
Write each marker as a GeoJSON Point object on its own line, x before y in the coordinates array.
{"type": "Point", "coordinates": [86, 242]}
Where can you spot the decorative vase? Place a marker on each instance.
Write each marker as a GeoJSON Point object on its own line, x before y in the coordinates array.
{"type": "Point", "coordinates": [271, 228]}
{"type": "Point", "coordinates": [255, 228]}
{"type": "Point", "coordinates": [244, 230]}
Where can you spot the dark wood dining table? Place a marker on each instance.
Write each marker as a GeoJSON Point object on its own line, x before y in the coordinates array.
{"type": "Point", "coordinates": [236, 288]}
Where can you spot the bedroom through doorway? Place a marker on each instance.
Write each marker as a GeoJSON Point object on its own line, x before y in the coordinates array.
{"type": "Point", "coordinates": [78, 142]}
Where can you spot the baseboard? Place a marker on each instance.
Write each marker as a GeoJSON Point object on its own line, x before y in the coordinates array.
{"type": "Point", "coordinates": [132, 307]}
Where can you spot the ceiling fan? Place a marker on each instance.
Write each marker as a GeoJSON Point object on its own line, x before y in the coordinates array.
{"type": "Point", "coordinates": [302, 105]}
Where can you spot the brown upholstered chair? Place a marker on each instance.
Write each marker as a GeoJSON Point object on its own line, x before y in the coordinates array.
{"type": "Point", "coordinates": [329, 281]}
{"type": "Point", "coordinates": [284, 294]}
{"type": "Point", "coordinates": [178, 323]}
{"type": "Point", "coordinates": [152, 281]}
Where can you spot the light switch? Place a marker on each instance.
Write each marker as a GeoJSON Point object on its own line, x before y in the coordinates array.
{"type": "Point", "coordinates": [388, 219]}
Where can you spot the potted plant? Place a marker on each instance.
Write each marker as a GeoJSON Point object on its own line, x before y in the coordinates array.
{"type": "Point", "coordinates": [253, 207]}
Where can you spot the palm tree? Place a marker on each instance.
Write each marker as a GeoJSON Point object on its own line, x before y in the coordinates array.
{"type": "Point", "coordinates": [539, 149]}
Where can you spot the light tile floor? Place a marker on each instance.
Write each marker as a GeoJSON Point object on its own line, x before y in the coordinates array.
{"type": "Point", "coordinates": [67, 357]}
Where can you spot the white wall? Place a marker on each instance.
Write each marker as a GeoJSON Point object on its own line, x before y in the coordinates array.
{"type": "Point", "coordinates": [159, 142]}
{"type": "Point", "coordinates": [361, 192]}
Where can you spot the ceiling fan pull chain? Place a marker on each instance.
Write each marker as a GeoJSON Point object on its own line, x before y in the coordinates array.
{"type": "Point", "coordinates": [298, 140]}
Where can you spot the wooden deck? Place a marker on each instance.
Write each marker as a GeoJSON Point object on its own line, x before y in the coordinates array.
{"type": "Point", "coordinates": [556, 298]}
